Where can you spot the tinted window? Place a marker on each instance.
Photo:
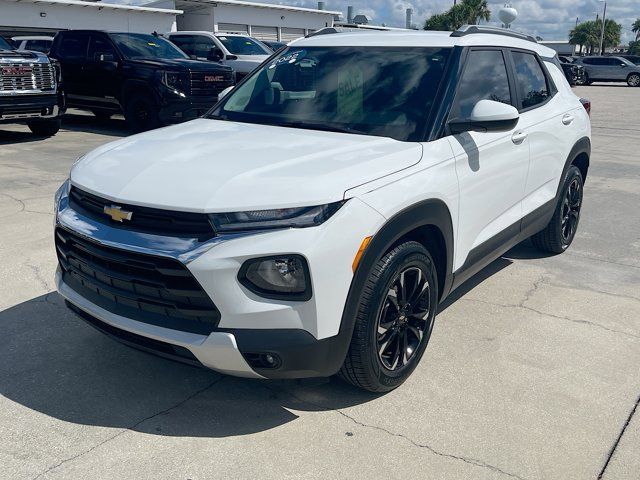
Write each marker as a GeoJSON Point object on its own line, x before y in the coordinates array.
{"type": "Point", "coordinates": [184, 42]}
{"type": "Point", "coordinates": [484, 78]}
{"type": "Point", "coordinates": [140, 45]}
{"type": "Point", "coordinates": [100, 46]}
{"type": "Point", "coordinates": [382, 91]}
{"type": "Point", "coordinates": [202, 46]}
{"type": "Point", "coordinates": [38, 45]}
{"type": "Point", "coordinates": [74, 46]}
{"type": "Point", "coordinates": [239, 45]}
{"type": "Point", "coordinates": [4, 45]}
{"type": "Point", "coordinates": [532, 84]}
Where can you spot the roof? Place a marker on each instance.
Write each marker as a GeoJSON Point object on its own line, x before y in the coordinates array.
{"type": "Point", "coordinates": [271, 6]}
{"type": "Point", "coordinates": [412, 38]}
{"type": "Point", "coordinates": [100, 6]}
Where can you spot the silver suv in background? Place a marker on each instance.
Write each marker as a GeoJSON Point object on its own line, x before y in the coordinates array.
{"type": "Point", "coordinates": [610, 69]}
{"type": "Point", "coordinates": [237, 50]}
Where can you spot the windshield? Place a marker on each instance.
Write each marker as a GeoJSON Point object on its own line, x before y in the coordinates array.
{"type": "Point", "coordinates": [378, 91]}
{"type": "Point", "coordinates": [5, 45]}
{"type": "Point", "coordinates": [240, 45]}
{"type": "Point", "coordinates": [140, 45]}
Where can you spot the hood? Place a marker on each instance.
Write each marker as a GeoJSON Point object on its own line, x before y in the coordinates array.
{"type": "Point", "coordinates": [219, 166]}
{"type": "Point", "coordinates": [180, 64]}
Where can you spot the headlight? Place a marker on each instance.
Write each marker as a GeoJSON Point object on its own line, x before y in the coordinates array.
{"type": "Point", "coordinates": [173, 80]}
{"type": "Point", "coordinates": [62, 191]}
{"type": "Point", "coordinates": [282, 277]}
{"type": "Point", "coordinates": [299, 217]}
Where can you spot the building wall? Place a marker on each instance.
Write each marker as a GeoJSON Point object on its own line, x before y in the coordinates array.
{"type": "Point", "coordinates": [209, 18]}
{"type": "Point", "coordinates": [24, 15]}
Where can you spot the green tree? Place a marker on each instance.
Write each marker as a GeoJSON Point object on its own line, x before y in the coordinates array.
{"type": "Point", "coordinates": [612, 33]}
{"type": "Point", "coordinates": [586, 34]}
{"type": "Point", "coordinates": [467, 12]}
{"type": "Point", "coordinates": [635, 28]}
{"type": "Point", "coordinates": [634, 48]}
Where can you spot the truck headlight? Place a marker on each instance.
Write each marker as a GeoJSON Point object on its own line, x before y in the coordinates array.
{"type": "Point", "coordinates": [173, 80]}
{"type": "Point", "coordinates": [281, 277]}
{"type": "Point", "coordinates": [298, 217]}
{"type": "Point", "coordinates": [61, 192]}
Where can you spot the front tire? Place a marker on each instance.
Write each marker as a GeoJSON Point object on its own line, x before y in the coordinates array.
{"type": "Point", "coordinates": [44, 128]}
{"type": "Point", "coordinates": [633, 80]}
{"type": "Point", "coordinates": [394, 319]}
{"type": "Point", "coordinates": [141, 112]}
{"type": "Point", "coordinates": [561, 230]}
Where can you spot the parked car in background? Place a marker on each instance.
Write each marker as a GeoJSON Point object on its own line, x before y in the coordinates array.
{"type": "Point", "coordinates": [275, 46]}
{"type": "Point", "coordinates": [143, 76]}
{"type": "Point", "coordinates": [34, 43]}
{"type": "Point", "coordinates": [635, 59]}
{"type": "Point", "coordinates": [313, 221]}
{"type": "Point", "coordinates": [609, 69]}
{"type": "Point", "coordinates": [30, 90]}
{"type": "Point", "coordinates": [575, 73]}
{"type": "Point", "coordinates": [240, 52]}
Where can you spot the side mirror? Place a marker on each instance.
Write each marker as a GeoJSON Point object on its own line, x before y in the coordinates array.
{"type": "Point", "coordinates": [224, 92]}
{"type": "Point", "coordinates": [215, 54]}
{"type": "Point", "coordinates": [487, 116]}
{"type": "Point", "coordinates": [232, 57]}
{"type": "Point", "coordinates": [106, 57]}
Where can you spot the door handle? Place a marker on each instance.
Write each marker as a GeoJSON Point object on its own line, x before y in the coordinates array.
{"type": "Point", "coordinates": [519, 137]}
{"type": "Point", "coordinates": [568, 119]}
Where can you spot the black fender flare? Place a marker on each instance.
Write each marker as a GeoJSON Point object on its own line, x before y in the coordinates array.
{"type": "Point", "coordinates": [133, 85]}
{"type": "Point", "coordinates": [425, 213]}
{"type": "Point", "coordinates": [581, 146]}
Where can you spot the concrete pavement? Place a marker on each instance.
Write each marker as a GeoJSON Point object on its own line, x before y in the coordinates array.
{"type": "Point", "coordinates": [531, 373]}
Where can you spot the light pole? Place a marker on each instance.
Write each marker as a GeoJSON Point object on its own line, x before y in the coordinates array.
{"type": "Point", "coordinates": [604, 16]}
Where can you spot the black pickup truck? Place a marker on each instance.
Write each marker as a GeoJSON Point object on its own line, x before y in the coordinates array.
{"type": "Point", "coordinates": [30, 90]}
{"type": "Point", "coordinates": [143, 76]}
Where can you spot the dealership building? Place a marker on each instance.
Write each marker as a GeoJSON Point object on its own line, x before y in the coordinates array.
{"type": "Point", "coordinates": [261, 20]}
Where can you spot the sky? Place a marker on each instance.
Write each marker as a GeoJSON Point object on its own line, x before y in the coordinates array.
{"type": "Point", "coordinates": [550, 19]}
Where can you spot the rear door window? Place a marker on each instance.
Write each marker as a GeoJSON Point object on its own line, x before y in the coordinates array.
{"type": "Point", "coordinates": [484, 78]}
{"type": "Point", "coordinates": [532, 83]}
{"type": "Point", "coordinates": [184, 43]}
{"type": "Point", "coordinates": [74, 46]}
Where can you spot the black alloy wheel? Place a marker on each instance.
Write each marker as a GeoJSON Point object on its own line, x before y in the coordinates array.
{"type": "Point", "coordinates": [404, 318]}
{"type": "Point", "coordinates": [571, 210]}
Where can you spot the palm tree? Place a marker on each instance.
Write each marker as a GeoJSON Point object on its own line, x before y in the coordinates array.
{"type": "Point", "coordinates": [475, 10]}
{"type": "Point", "coordinates": [635, 28]}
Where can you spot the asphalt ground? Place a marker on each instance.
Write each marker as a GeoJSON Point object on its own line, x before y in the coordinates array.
{"type": "Point", "coordinates": [532, 370]}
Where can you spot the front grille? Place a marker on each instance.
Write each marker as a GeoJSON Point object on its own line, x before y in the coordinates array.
{"type": "Point", "coordinates": [27, 77]}
{"type": "Point", "coordinates": [155, 290]}
{"type": "Point", "coordinates": [143, 219]}
{"type": "Point", "coordinates": [209, 84]}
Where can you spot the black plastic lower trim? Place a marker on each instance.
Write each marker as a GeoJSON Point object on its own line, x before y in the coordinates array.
{"type": "Point", "coordinates": [150, 345]}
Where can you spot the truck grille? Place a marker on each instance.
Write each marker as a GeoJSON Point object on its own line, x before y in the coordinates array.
{"type": "Point", "coordinates": [154, 290]}
{"type": "Point", "coordinates": [27, 77]}
{"type": "Point", "coordinates": [209, 84]}
{"type": "Point", "coordinates": [144, 219]}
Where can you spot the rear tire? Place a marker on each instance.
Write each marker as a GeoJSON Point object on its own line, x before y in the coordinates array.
{"type": "Point", "coordinates": [394, 319]}
{"type": "Point", "coordinates": [44, 128]}
{"type": "Point", "coordinates": [633, 80]}
{"type": "Point", "coordinates": [141, 112]}
{"type": "Point", "coordinates": [561, 230]}
{"type": "Point", "coordinates": [102, 115]}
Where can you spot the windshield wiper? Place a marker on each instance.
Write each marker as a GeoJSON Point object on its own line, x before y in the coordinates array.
{"type": "Point", "coordinates": [317, 126]}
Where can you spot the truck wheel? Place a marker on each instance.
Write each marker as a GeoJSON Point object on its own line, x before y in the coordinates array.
{"type": "Point", "coordinates": [561, 230]}
{"type": "Point", "coordinates": [633, 80]}
{"type": "Point", "coordinates": [394, 319]}
{"type": "Point", "coordinates": [141, 112]}
{"type": "Point", "coordinates": [44, 128]}
{"type": "Point", "coordinates": [102, 115]}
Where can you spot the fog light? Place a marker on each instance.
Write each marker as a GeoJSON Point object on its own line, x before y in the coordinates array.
{"type": "Point", "coordinates": [283, 277]}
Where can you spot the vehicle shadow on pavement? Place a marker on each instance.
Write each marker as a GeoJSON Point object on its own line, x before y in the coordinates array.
{"type": "Point", "coordinates": [53, 363]}
{"type": "Point", "coordinates": [10, 137]}
{"type": "Point", "coordinates": [88, 123]}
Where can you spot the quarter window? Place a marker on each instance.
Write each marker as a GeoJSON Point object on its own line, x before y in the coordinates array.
{"type": "Point", "coordinates": [484, 78]}
{"type": "Point", "coordinates": [531, 80]}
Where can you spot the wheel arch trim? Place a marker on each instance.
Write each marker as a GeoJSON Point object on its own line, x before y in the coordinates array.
{"type": "Point", "coordinates": [581, 147]}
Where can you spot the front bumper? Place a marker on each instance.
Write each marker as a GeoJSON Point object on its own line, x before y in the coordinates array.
{"type": "Point", "coordinates": [306, 337]}
{"type": "Point", "coordinates": [19, 108]}
{"type": "Point", "coordinates": [174, 110]}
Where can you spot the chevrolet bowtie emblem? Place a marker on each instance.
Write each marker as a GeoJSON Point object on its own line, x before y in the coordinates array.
{"type": "Point", "coordinates": [117, 214]}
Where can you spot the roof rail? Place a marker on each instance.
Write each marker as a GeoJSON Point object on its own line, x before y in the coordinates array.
{"type": "Point", "coordinates": [473, 29]}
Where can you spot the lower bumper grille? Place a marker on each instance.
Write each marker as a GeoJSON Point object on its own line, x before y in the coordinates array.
{"type": "Point", "coordinates": [154, 290]}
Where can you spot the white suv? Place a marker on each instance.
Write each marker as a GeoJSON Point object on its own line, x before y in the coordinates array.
{"type": "Point", "coordinates": [237, 50]}
{"type": "Point", "coordinates": [313, 220]}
